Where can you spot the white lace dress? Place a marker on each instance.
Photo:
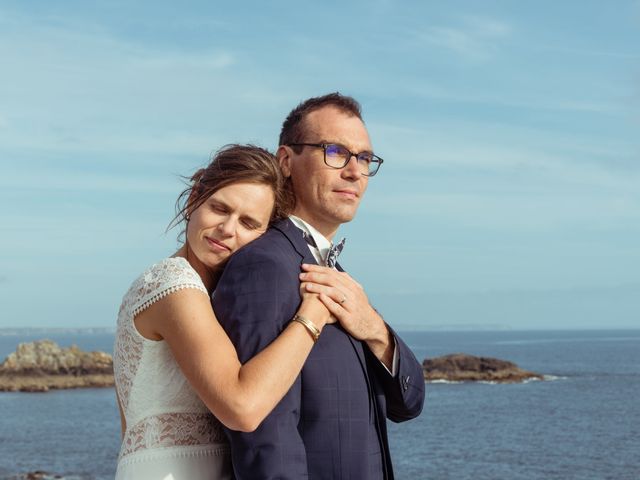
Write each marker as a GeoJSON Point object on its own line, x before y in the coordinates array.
{"type": "Point", "coordinates": [170, 434]}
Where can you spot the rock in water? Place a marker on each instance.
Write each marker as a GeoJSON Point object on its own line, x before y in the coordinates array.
{"type": "Point", "coordinates": [40, 475]}
{"type": "Point", "coordinates": [43, 365]}
{"type": "Point", "coordinates": [37, 475]}
{"type": "Point", "coordinates": [460, 367]}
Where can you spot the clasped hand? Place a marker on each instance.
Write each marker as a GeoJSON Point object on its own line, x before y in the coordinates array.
{"type": "Point", "coordinates": [346, 300]}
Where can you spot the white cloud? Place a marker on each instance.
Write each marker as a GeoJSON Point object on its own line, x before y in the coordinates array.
{"type": "Point", "coordinates": [199, 61]}
{"type": "Point", "coordinates": [628, 55]}
{"type": "Point", "coordinates": [50, 55]}
{"type": "Point", "coordinates": [487, 27]}
{"type": "Point", "coordinates": [511, 211]}
{"type": "Point", "coordinates": [475, 39]}
{"type": "Point", "coordinates": [65, 180]}
{"type": "Point", "coordinates": [532, 101]}
{"type": "Point", "coordinates": [548, 157]}
{"type": "Point", "coordinates": [126, 144]}
{"type": "Point", "coordinates": [82, 88]}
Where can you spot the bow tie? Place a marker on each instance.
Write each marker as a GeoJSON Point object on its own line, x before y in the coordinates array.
{"type": "Point", "coordinates": [334, 251]}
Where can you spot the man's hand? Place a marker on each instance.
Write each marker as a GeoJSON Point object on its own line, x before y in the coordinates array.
{"type": "Point", "coordinates": [346, 300]}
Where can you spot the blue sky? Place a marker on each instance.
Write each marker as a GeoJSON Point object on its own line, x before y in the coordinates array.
{"type": "Point", "coordinates": [510, 192]}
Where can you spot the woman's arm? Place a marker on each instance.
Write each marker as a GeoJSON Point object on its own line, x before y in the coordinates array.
{"type": "Point", "coordinates": [240, 396]}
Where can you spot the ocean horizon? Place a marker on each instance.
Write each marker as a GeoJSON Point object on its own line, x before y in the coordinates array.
{"type": "Point", "coordinates": [582, 422]}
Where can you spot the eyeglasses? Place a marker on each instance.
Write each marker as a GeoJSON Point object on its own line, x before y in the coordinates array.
{"type": "Point", "coordinates": [337, 156]}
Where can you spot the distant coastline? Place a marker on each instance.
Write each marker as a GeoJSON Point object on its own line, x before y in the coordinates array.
{"type": "Point", "coordinates": [16, 331]}
{"type": "Point", "coordinates": [440, 328]}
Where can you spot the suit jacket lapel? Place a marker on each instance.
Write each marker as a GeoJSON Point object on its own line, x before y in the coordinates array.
{"type": "Point", "coordinates": [359, 349]}
{"type": "Point", "coordinates": [294, 235]}
{"type": "Point", "coordinates": [357, 345]}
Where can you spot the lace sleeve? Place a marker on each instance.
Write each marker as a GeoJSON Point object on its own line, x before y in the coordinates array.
{"type": "Point", "coordinates": [160, 280]}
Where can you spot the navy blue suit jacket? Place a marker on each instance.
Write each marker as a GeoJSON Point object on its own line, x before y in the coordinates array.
{"type": "Point", "coordinates": [324, 426]}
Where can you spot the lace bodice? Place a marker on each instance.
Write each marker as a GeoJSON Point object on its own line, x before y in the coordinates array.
{"type": "Point", "coordinates": [160, 407]}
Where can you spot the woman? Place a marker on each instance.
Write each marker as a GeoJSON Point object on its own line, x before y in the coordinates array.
{"type": "Point", "coordinates": [174, 364]}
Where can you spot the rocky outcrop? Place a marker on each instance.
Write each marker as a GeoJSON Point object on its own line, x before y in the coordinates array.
{"type": "Point", "coordinates": [41, 475]}
{"type": "Point", "coordinates": [43, 365]}
{"type": "Point", "coordinates": [37, 475]}
{"type": "Point", "coordinates": [459, 367]}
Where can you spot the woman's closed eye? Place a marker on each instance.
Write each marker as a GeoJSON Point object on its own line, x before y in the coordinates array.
{"type": "Point", "coordinates": [219, 208]}
{"type": "Point", "coordinates": [250, 224]}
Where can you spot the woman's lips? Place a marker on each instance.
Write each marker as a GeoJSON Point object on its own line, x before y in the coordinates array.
{"type": "Point", "coordinates": [217, 245]}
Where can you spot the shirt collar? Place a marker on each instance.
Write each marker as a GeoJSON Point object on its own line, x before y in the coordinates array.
{"type": "Point", "coordinates": [323, 245]}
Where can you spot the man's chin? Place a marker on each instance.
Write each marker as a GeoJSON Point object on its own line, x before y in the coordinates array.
{"type": "Point", "coordinates": [345, 217]}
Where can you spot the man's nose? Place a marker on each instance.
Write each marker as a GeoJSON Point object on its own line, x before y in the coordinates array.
{"type": "Point", "coordinates": [352, 168]}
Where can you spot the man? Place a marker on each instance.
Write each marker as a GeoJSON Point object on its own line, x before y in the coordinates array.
{"type": "Point", "coordinates": [331, 424]}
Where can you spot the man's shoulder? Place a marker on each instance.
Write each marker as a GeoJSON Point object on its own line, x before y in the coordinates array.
{"type": "Point", "coordinates": [269, 260]}
{"type": "Point", "coordinates": [273, 246]}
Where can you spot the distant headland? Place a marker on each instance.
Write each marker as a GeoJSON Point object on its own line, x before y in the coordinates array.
{"type": "Point", "coordinates": [42, 365]}
{"type": "Point", "coordinates": [460, 367]}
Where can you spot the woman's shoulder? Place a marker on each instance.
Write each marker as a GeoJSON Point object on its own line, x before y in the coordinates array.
{"type": "Point", "coordinates": [160, 279]}
{"type": "Point", "coordinates": [169, 270]}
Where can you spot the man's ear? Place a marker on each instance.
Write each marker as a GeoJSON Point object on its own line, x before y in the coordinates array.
{"type": "Point", "coordinates": [284, 159]}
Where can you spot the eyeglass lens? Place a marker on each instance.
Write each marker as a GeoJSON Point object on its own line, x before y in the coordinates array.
{"type": "Point", "coordinates": [338, 156]}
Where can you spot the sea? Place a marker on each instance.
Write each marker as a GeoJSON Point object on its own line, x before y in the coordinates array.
{"type": "Point", "coordinates": [582, 422]}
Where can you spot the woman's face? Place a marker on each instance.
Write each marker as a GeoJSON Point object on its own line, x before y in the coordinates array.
{"type": "Point", "coordinates": [229, 219]}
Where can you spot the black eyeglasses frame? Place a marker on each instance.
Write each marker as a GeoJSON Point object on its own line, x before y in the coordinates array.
{"type": "Point", "coordinates": [374, 158]}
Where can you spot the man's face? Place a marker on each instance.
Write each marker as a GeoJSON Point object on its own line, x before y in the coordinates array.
{"type": "Point", "coordinates": [327, 197]}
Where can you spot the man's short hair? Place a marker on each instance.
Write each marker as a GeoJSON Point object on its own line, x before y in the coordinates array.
{"type": "Point", "coordinates": [293, 128]}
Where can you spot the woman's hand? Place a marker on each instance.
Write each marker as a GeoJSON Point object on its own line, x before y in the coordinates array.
{"type": "Point", "coordinates": [346, 300]}
{"type": "Point", "coordinates": [343, 296]}
{"type": "Point", "coordinates": [313, 309]}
